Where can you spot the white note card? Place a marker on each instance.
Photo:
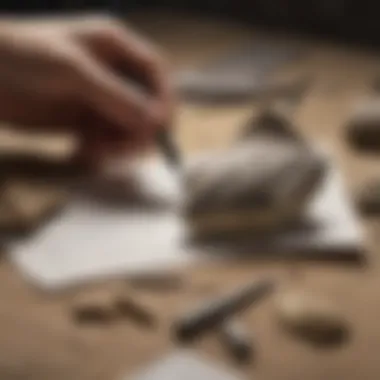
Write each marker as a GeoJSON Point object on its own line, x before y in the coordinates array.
{"type": "Point", "coordinates": [91, 240]}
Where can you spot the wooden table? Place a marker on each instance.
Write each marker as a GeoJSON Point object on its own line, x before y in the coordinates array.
{"type": "Point", "coordinates": [39, 339]}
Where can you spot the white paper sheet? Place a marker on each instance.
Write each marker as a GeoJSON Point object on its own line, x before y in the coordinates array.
{"type": "Point", "coordinates": [91, 239]}
{"type": "Point", "coordinates": [184, 365]}
{"type": "Point", "coordinates": [334, 215]}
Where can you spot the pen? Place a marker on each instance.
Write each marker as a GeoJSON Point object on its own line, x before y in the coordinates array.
{"type": "Point", "coordinates": [169, 148]}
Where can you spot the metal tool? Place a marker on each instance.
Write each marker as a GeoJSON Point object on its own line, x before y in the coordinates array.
{"type": "Point", "coordinates": [169, 148]}
{"type": "Point", "coordinates": [164, 137]}
{"type": "Point", "coordinates": [212, 314]}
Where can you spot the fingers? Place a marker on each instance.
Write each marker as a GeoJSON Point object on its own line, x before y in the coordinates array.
{"type": "Point", "coordinates": [109, 95]}
{"type": "Point", "coordinates": [97, 145]}
{"type": "Point", "coordinates": [77, 77]}
{"type": "Point", "coordinates": [136, 58]}
{"type": "Point", "coordinates": [97, 137]}
{"type": "Point", "coordinates": [142, 60]}
{"type": "Point", "coordinates": [151, 68]}
{"type": "Point", "coordinates": [38, 112]}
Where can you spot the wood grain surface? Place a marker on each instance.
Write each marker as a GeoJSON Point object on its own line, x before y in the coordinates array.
{"type": "Point", "coordinates": [39, 338]}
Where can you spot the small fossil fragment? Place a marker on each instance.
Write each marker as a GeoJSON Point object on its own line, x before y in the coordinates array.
{"type": "Point", "coordinates": [368, 198]}
{"type": "Point", "coordinates": [311, 318]}
{"type": "Point", "coordinates": [135, 311]}
{"type": "Point", "coordinates": [274, 121]}
{"type": "Point", "coordinates": [363, 129]}
{"type": "Point", "coordinates": [260, 184]}
{"type": "Point", "coordinates": [94, 308]}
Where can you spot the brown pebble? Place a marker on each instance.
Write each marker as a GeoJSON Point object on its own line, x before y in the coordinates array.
{"type": "Point", "coordinates": [93, 308]}
{"type": "Point", "coordinates": [368, 198]}
{"type": "Point", "coordinates": [274, 121]}
{"type": "Point", "coordinates": [135, 311]}
{"type": "Point", "coordinates": [311, 318]}
{"type": "Point", "coordinates": [363, 129]}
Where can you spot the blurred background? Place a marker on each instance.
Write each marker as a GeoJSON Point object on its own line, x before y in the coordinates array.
{"type": "Point", "coordinates": [351, 20]}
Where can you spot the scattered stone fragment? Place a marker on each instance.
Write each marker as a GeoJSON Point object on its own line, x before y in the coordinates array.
{"type": "Point", "coordinates": [368, 198]}
{"type": "Point", "coordinates": [130, 309]}
{"type": "Point", "coordinates": [363, 129]}
{"type": "Point", "coordinates": [274, 121]}
{"type": "Point", "coordinates": [311, 318]}
{"type": "Point", "coordinates": [97, 307]}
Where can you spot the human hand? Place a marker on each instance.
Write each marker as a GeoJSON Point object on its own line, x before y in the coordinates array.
{"type": "Point", "coordinates": [76, 73]}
